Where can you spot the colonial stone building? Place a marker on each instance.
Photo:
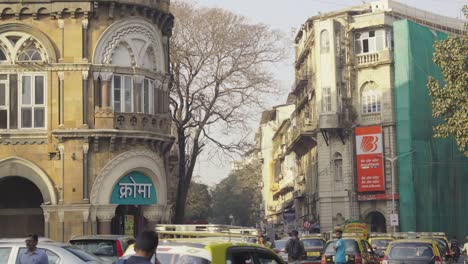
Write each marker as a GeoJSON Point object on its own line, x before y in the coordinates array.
{"type": "Point", "coordinates": [344, 84]}
{"type": "Point", "coordinates": [84, 117]}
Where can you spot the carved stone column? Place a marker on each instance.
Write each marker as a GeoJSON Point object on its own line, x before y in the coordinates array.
{"type": "Point", "coordinates": [104, 214]}
{"type": "Point", "coordinates": [46, 224]}
{"type": "Point", "coordinates": [85, 221]}
{"type": "Point", "coordinates": [85, 23]}
{"type": "Point", "coordinates": [137, 93]}
{"type": "Point", "coordinates": [61, 77]}
{"type": "Point", "coordinates": [85, 172]}
{"type": "Point", "coordinates": [61, 215]}
{"type": "Point", "coordinates": [153, 215]}
{"type": "Point", "coordinates": [61, 25]}
{"type": "Point", "coordinates": [105, 89]}
{"type": "Point", "coordinates": [85, 75]}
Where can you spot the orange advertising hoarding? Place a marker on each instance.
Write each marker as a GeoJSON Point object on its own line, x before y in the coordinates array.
{"type": "Point", "coordinates": [369, 158]}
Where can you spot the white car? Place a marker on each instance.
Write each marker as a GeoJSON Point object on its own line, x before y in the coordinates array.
{"type": "Point", "coordinates": [58, 253]}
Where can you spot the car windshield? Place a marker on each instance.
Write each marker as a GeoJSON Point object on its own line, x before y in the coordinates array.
{"type": "Point", "coordinates": [96, 247]}
{"type": "Point", "coordinates": [441, 244]}
{"type": "Point", "coordinates": [411, 251]}
{"type": "Point", "coordinates": [313, 243]}
{"type": "Point", "coordinates": [280, 244]}
{"type": "Point", "coordinates": [351, 247]}
{"type": "Point", "coordinates": [380, 243]}
{"type": "Point", "coordinates": [80, 254]}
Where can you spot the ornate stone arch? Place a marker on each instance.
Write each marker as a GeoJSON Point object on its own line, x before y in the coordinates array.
{"type": "Point", "coordinates": [15, 166]}
{"type": "Point", "coordinates": [132, 31]}
{"type": "Point", "coordinates": [42, 40]}
{"type": "Point", "coordinates": [144, 161]}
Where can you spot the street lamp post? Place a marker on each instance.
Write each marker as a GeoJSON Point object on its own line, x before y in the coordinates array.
{"type": "Point", "coordinates": [392, 160]}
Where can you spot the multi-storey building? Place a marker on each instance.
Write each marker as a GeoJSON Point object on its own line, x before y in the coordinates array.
{"type": "Point", "coordinates": [270, 122]}
{"type": "Point", "coordinates": [344, 109]}
{"type": "Point", "coordinates": [84, 117]}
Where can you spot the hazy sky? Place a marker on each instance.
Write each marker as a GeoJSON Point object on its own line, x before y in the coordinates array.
{"type": "Point", "coordinates": [287, 15]}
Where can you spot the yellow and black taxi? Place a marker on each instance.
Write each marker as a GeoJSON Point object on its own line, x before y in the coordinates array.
{"type": "Point", "coordinates": [413, 251]}
{"type": "Point", "coordinates": [357, 250]}
{"type": "Point", "coordinates": [442, 243]}
{"type": "Point", "coordinates": [211, 251]}
{"type": "Point", "coordinates": [313, 245]}
{"type": "Point", "coordinates": [380, 242]}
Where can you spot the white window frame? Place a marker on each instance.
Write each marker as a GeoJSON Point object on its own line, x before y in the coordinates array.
{"type": "Point", "coordinates": [370, 97]}
{"type": "Point", "coordinates": [326, 99]}
{"type": "Point", "coordinates": [7, 99]}
{"type": "Point", "coordinates": [122, 94]}
{"type": "Point", "coordinates": [32, 105]}
{"type": "Point", "coordinates": [379, 35]}
{"type": "Point", "coordinates": [150, 95]}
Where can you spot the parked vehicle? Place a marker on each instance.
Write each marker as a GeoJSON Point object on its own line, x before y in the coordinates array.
{"type": "Point", "coordinates": [108, 247]}
{"type": "Point", "coordinates": [58, 253]}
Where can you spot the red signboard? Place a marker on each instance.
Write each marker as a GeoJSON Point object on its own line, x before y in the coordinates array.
{"type": "Point", "coordinates": [375, 197]}
{"type": "Point", "coordinates": [369, 151]}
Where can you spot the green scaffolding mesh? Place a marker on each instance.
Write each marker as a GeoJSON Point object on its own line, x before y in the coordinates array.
{"type": "Point", "coordinates": [433, 181]}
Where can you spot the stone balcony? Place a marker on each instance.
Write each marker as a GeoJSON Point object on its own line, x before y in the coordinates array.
{"type": "Point", "coordinates": [301, 138]}
{"type": "Point", "coordinates": [375, 58]}
{"type": "Point", "coordinates": [107, 119]}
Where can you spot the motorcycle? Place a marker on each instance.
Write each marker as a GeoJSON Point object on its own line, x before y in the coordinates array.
{"type": "Point", "coordinates": [456, 250]}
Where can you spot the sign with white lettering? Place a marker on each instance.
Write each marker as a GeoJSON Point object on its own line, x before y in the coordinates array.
{"type": "Point", "coordinates": [134, 188]}
{"type": "Point", "coordinates": [369, 151]}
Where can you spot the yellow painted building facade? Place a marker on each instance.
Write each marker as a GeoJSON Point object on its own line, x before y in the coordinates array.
{"type": "Point", "coordinates": [84, 117]}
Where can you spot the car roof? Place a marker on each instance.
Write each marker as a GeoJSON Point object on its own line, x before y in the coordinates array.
{"type": "Point", "coordinates": [48, 244]}
{"type": "Point", "coordinates": [22, 239]}
{"type": "Point", "coordinates": [410, 240]}
{"type": "Point", "coordinates": [99, 237]}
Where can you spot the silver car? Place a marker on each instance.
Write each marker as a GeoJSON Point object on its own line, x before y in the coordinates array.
{"type": "Point", "coordinates": [58, 253]}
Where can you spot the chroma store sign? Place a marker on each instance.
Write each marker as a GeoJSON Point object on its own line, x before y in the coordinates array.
{"type": "Point", "coordinates": [369, 158]}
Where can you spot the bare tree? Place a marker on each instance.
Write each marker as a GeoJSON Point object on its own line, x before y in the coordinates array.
{"type": "Point", "coordinates": [220, 63]}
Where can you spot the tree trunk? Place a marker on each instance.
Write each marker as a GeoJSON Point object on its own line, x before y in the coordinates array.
{"type": "Point", "coordinates": [185, 178]}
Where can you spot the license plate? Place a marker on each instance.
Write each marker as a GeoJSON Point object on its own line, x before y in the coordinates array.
{"type": "Point", "coordinates": [313, 254]}
{"type": "Point", "coordinates": [346, 258]}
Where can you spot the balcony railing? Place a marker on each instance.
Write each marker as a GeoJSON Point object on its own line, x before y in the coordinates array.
{"type": "Point", "coordinates": [367, 58]}
{"type": "Point", "coordinates": [383, 56]}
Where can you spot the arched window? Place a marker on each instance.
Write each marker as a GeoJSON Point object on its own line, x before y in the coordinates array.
{"type": "Point", "coordinates": [338, 166]}
{"type": "Point", "coordinates": [370, 99]}
{"type": "Point", "coordinates": [28, 49]}
{"type": "Point", "coordinates": [324, 41]}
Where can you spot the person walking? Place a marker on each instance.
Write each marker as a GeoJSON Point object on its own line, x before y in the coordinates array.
{"type": "Point", "coordinates": [294, 248]}
{"type": "Point", "coordinates": [263, 242]}
{"type": "Point", "coordinates": [340, 248]}
{"type": "Point", "coordinates": [33, 255]}
{"type": "Point", "coordinates": [145, 247]}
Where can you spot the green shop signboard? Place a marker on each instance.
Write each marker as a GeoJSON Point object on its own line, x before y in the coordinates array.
{"type": "Point", "coordinates": [134, 188]}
